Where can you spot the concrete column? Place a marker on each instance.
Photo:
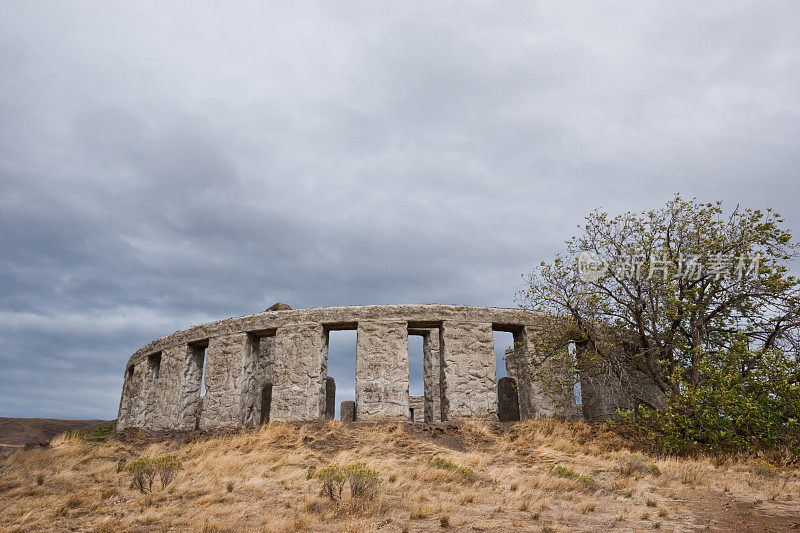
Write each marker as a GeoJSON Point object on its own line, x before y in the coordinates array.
{"type": "Point", "coordinates": [300, 369]}
{"type": "Point", "coordinates": [382, 370]}
{"type": "Point", "coordinates": [130, 402]}
{"type": "Point", "coordinates": [149, 408]}
{"type": "Point", "coordinates": [188, 404]}
{"type": "Point", "coordinates": [168, 388]}
{"type": "Point", "coordinates": [431, 377]}
{"type": "Point", "coordinates": [468, 371]}
{"type": "Point", "coordinates": [225, 381]}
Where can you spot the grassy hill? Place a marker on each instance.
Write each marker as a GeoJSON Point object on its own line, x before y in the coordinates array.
{"type": "Point", "coordinates": [18, 431]}
{"type": "Point", "coordinates": [540, 475]}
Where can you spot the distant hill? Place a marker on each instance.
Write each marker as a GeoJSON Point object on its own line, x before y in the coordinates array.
{"type": "Point", "coordinates": [18, 431]}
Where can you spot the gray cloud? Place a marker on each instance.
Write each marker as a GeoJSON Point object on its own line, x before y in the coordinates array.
{"type": "Point", "coordinates": [161, 166]}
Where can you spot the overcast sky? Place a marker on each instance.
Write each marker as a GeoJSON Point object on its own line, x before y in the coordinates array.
{"type": "Point", "coordinates": [167, 164]}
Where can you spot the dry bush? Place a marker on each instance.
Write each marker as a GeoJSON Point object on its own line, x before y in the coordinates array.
{"type": "Point", "coordinates": [144, 470]}
{"type": "Point", "coordinates": [632, 465]}
{"type": "Point", "coordinates": [568, 473]}
{"type": "Point", "coordinates": [445, 464]}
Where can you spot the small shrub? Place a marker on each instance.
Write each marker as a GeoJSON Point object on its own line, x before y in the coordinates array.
{"type": "Point", "coordinates": [144, 471]}
{"type": "Point", "coordinates": [563, 471]}
{"type": "Point", "coordinates": [764, 468]}
{"type": "Point", "coordinates": [310, 472]}
{"type": "Point", "coordinates": [40, 479]}
{"type": "Point", "coordinates": [444, 521]}
{"type": "Point", "coordinates": [229, 486]}
{"type": "Point", "coordinates": [629, 466]}
{"type": "Point", "coordinates": [333, 480]}
{"type": "Point", "coordinates": [632, 465]}
{"type": "Point", "coordinates": [690, 476]}
{"type": "Point", "coordinates": [167, 466]}
{"type": "Point", "coordinates": [102, 433]}
{"type": "Point", "coordinates": [75, 434]}
{"type": "Point", "coordinates": [651, 503]}
{"type": "Point", "coordinates": [363, 480]}
{"type": "Point", "coordinates": [444, 464]}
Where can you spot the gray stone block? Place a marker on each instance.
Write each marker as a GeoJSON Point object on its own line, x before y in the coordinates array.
{"type": "Point", "coordinates": [347, 411]}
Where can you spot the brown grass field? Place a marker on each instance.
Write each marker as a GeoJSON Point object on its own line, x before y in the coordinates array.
{"type": "Point", "coordinates": [257, 481]}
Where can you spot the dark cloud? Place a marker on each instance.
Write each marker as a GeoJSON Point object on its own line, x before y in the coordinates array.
{"type": "Point", "coordinates": [161, 166]}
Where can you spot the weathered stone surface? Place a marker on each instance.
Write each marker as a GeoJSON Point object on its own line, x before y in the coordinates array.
{"type": "Point", "coordinates": [347, 411]}
{"type": "Point", "coordinates": [188, 404]}
{"type": "Point", "coordinates": [131, 396]}
{"type": "Point", "coordinates": [507, 400]}
{"type": "Point", "coordinates": [468, 371]}
{"type": "Point", "coordinates": [273, 366]}
{"type": "Point", "coordinates": [280, 306]}
{"type": "Point", "coordinates": [298, 391]}
{"type": "Point", "coordinates": [416, 407]}
{"type": "Point", "coordinates": [604, 392]}
{"type": "Point", "coordinates": [431, 376]}
{"type": "Point", "coordinates": [330, 398]}
{"type": "Point", "coordinates": [225, 381]}
{"type": "Point", "coordinates": [168, 387]}
{"type": "Point", "coordinates": [382, 370]}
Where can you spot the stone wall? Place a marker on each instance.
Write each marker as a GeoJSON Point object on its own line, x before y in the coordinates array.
{"type": "Point", "coordinates": [382, 370]}
{"type": "Point", "coordinates": [273, 366]}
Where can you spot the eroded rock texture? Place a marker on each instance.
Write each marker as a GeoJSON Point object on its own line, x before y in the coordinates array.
{"type": "Point", "coordinates": [273, 366]}
{"type": "Point", "coordinates": [382, 370]}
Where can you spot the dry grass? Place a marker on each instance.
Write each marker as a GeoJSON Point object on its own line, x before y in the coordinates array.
{"type": "Point", "coordinates": [257, 481]}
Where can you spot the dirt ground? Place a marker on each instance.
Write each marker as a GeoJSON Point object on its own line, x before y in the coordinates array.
{"type": "Point", "coordinates": [539, 475]}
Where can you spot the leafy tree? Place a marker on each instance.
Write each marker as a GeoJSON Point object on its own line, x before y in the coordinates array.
{"type": "Point", "coordinates": [697, 300]}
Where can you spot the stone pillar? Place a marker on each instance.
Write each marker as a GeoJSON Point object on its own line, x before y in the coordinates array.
{"type": "Point", "coordinates": [382, 370]}
{"type": "Point", "coordinates": [300, 369]}
{"type": "Point", "coordinates": [330, 398]}
{"type": "Point", "coordinates": [347, 412]}
{"type": "Point", "coordinates": [507, 400]}
{"type": "Point", "coordinates": [148, 407]}
{"type": "Point", "coordinates": [225, 381]}
{"type": "Point", "coordinates": [188, 404]}
{"type": "Point", "coordinates": [168, 388]}
{"type": "Point", "coordinates": [130, 402]}
{"type": "Point", "coordinates": [468, 371]}
{"type": "Point", "coordinates": [431, 377]}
